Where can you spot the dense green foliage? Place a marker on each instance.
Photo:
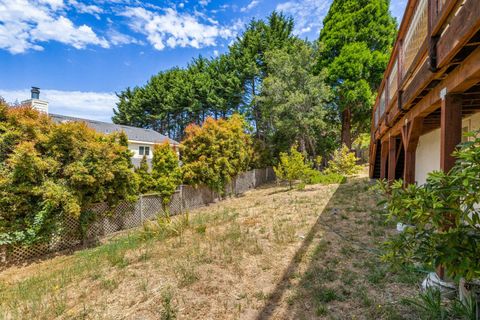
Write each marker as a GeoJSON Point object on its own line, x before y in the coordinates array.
{"type": "Point", "coordinates": [166, 173]}
{"type": "Point", "coordinates": [343, 162]}
{"type": "Point", "coordinates": [52, 171]}
{"type": "Point", "coordinates": [294, 167]}
{"type": "Point", "coordinates": [279, 83]}
{"type": "Point", "coordinates": [267, 75]}
{"type": "Point", "coordinates": [215, 88]}
{"type": "Point", "coordinates": [444, 217]}
{"type": "Point", "coordinates": [295, 100]}
{"type": "Point", "coordinates": [291, 167]}
{"type": "Point", "coordinates": [215, 152]}
{"type": "Point", "coordinates": [145, 180]}
{"type": "Point", "coordinates": [317, 177]}
{"type": "Point", "coordinates": [356, 41]}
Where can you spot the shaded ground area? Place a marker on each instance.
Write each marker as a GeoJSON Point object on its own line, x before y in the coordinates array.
{"type": "Point", "coordinates": [272, 254]}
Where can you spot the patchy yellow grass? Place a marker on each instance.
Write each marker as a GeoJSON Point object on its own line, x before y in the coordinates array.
{"type": "Point", "coordinates": [271, 254]}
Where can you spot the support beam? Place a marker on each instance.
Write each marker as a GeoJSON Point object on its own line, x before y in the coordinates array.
{"type": "Point", "coordinates": [450, 137]}
{"type": "Point", "coordinates": [392, 158]}
{"type": "Point", "coordinates": [411, 132]}
{"type": "Point", "coordinates": [451, 129]}
{"type": "Point", "coordinates": [383, 159]}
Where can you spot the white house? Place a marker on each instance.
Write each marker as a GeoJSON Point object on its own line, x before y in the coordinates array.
{"type": "Point", "coordinates": [140, 141]}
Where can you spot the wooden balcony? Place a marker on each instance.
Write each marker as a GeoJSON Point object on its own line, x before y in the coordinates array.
{"type": "Point", "coordinates": [437, 47]}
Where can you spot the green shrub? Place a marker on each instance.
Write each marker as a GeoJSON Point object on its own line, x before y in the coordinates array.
{"type": "Point", "coordinates": [166, 174]}
{"type": "Point", "coordinates": [317, 177]}
{"type": "Point", "coordinates": [214, 153]}
{"type": "Point", "coordinates": [292, 166]}
{"type": "Point", "coordinates": [145, 180]}
{"type": "Point", "coordinates": [51, 171]}
{"type": "Point", "coordinates": [344, 162]}
{"type": "Point", "coordinates": [444, 214]}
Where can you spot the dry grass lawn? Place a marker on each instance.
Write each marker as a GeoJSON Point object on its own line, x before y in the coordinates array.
{"type": "Point", "coordinates": [271, 254]}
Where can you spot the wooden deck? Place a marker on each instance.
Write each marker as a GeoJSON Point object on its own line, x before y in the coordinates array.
{"type": "Point", "coordinates": [432, 81]}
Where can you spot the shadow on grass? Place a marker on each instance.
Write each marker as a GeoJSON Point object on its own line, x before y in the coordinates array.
{"type": "Point", "coordinates": [338, 239]}
{"type": "Point", "coordinates": [284, 283]}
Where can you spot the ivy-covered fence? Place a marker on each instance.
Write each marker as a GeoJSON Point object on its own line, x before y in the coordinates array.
{"type": "Point", "coordinates": [127, 215]}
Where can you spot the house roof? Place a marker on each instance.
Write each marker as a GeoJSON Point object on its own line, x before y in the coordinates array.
{"type": "Point", "coordinates": [133, 133]}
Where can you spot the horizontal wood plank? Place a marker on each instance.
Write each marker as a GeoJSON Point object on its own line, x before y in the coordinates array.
{"type": "Point", "coordinates": [462, 27]}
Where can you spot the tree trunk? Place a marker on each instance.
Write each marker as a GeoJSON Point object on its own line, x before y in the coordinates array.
{"type": "Point", "coordinates": [302, 146]}
{"type": "Point", "coordinates": [347, 127]}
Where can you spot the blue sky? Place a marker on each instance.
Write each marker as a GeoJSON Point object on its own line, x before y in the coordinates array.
{"type": "Point", "coordinates": [82, 51]}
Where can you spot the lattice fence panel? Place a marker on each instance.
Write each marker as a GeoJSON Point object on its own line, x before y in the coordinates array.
{"type": "Point", "coordinates": [116, 220]}
{"type": "Point", "coordinates": [152, 206]}
{"type": "Point", "coordinates": [127, 215]}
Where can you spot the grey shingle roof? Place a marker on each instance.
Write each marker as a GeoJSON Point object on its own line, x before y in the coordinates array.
{"type": "Point", "coordinates": [133, 133]}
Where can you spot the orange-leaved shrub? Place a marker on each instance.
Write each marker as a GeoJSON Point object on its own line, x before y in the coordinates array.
{"type": "Point", "coordinates": [51, 171]}
{"type": "Point", "coordinates": [215, 152]}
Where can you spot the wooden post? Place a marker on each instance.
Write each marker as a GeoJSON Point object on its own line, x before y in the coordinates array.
{"type": "Point", "coordinates": [451, 129]}
{"type": "Point", "coordinates": [450, 137]}
{"type": "Point", "coordinates": [410, 135]}
{"type": "Point", "coordinates": [392, 158]}
{"type": "Point", "coordinates": [383, 159]}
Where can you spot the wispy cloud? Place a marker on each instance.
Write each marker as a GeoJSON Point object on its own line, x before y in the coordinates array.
{"type": "Point", "coordinates": [88, 105]}
{"type": "Point", "coordinates": [173, 29]}
{"type": "Point", "coordinates": [25, 24]}
{"type": "Point", "coordinates": [308, 14]}
{"type": "Point", "coordinates": [250, 6]}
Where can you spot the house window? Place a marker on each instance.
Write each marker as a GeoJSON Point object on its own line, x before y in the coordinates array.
{"type": "Point", "coordinates": [144, 151]}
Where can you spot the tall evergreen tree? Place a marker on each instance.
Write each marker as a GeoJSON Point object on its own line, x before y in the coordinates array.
{"type": "Point", "coordinates": [295, 98]}
{"type": "Point", "coordinates": [249, 51]}
{"type": "Point", "coordinates": [356, 41]}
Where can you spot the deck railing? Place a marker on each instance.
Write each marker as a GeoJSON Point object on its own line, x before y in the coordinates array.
{"type": "Point", "coordinates": [426, 42]}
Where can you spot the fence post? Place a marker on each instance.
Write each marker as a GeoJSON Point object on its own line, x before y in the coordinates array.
{"type": "Point", "coordinates": [3, 254]}
{"type": "Point", "coordinates": [181, 199]}
{"type": "Point", "coordinates": [141, 208]}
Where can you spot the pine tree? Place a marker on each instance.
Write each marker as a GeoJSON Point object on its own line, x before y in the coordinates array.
{"type": "Point", "coordinates": [356, 41]}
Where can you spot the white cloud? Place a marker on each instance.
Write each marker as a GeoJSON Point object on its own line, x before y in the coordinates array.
{"type": "Point", "coordinates": [216, 53]}
{"type": "Point", "coordinates": [88, 105]}
{"type": "Point", "coordinates": [308, 14]}
{"type": "Point", "coordinates": [25, 23]}
{"type": "Point", "coordinates": [117, 39]}
{"type": "Point", "coordinates": [174, 29]}
{"type": "Point", "coordinates": [204, 2]}
{"type": "Point", "coordinates": [250, 6]}
{"type": "Point", "coordinates": [84, 8]}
